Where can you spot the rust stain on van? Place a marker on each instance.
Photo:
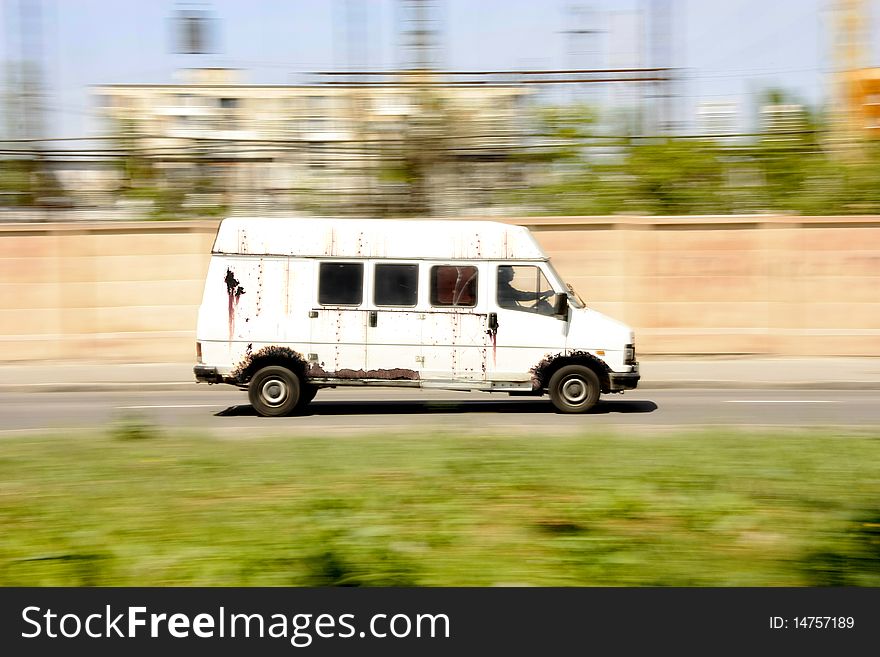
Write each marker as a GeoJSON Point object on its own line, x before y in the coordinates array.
{"type": "Point", "coordinates": [233, 292]}
{"type": "Point", "coordinates": [285, 287]}
{"type": "Point", "coordinates": [395, 374]}
{"type": "Point", "coordinates": [259, 301]}
{"type": "Point", "coordinates": [456, 334]}
{"type": "Point", "coordinates": [287, 356]}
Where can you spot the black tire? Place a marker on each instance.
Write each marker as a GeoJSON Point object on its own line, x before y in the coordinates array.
{"type": "Point", "coordinates": [274, 391]}
{"type": "Point", "coordinates": [574, 389]}
{"type": "Point", "coordinates": [306, 395]}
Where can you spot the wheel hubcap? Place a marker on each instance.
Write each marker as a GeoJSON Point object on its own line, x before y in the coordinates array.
{"type": "Point", "coordinates": [274, 392]}
{"type": "Point", "coordinates": [574, 390]}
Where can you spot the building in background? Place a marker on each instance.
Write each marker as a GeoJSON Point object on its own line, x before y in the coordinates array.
{"type": "Point", "coordinates": [718, 119]}
{"type": "Point", "coordinates": [783, 120]}
{"type": "Point", "coordinates": [405, 143]}
{"type": "Point", "coordinates": [863, 86]}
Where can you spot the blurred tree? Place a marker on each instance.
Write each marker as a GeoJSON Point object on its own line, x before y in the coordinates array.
{"type": "Point", "coordinates": [135, 166]}
{"type": "Point", "coordinates": [675, 176]}
{"type": "Point", "coordinates": [17, 182]}
{"type": "Point", "coordinates": [788, 151]}
{"type": "Point", "coordinates": [786, 167]}
{"type": "Point", "coordinates": [565, 132]}
{"type": "Point", "coordinates": [418, 164]}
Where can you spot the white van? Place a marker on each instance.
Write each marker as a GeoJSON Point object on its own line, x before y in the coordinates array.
{"type": "Point", "coordinates": [295, 305]}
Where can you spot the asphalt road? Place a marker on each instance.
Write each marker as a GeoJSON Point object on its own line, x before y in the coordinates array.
{"type": "Point", "coordinates": [226, 411]}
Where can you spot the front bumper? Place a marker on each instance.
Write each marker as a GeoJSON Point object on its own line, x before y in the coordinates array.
{"type": "Point", "coordinates": [207, 374]}
{"type": "Point", "coordinates": [618, 381]}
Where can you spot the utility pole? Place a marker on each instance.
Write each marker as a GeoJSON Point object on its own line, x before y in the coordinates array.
{"type": "Point", "coordinates": [25, 102]}
{"type": "Point", "coordinates": [355, 53]}
{"type": "Point", "coordinates": [31, 72]}
{"type": "Point", "coordinates": [424, 155]}
{"type": "Point", "coordinates": [661, 49]}
{"type": "Point", "coordinates": [419, 34]}
{"type": "Point", "coordinates": [582, 46]}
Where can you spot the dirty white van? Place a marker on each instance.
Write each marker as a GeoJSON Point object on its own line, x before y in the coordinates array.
{"type": "Point", "coordinates": [291, 306]}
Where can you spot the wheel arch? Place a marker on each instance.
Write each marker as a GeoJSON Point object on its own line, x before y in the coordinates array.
{"type": "Point", "coordinates": [281, 356]}
{"type": "Point", "coordinates": [544, 371]}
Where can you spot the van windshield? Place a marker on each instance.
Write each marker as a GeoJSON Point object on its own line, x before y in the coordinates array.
{"type": "Point", "coordinates": [573, 297]}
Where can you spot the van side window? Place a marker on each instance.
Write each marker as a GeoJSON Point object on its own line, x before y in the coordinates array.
{"type": "Point", "coordinates": [396, 285]}
{"type": "Point", "coordinates": [341, 283]}
{"type": "Point", "coordinates": [524, 287]}
{"type": "Point", "coordinates": [454, 285]}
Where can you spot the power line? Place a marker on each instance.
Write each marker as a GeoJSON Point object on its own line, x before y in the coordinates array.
{"type": "Point", "coordinates": [439, 73]}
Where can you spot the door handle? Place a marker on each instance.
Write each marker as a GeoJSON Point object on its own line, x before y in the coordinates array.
{"type": "Point", "coordinates": [374, 318]}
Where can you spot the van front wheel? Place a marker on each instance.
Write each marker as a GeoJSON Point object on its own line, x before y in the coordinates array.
{"type": "Point", "coordinates": [574, 389]}
{"type": "Point", "coordinates": [274, 391]}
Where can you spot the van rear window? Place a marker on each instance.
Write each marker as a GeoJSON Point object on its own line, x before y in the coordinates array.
{"type": "Point", "coordinates": [396, 285]}
{"type": "Point", "coordinates": [453, 285]}
{"type": "Point", "coordinates": [341, 283]}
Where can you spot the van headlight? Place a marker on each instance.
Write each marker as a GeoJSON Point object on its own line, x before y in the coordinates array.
{"type": "Point", "coordinates": [629, 354]}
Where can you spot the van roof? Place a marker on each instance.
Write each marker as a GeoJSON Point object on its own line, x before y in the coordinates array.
{"type": "Point", "coordinates": [400, 239]}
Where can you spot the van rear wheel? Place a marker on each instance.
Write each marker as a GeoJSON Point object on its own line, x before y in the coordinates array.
{"type": "Point", "coordinates": [274, 391]}
{"type": "Point", "coordinates": [574, 389]}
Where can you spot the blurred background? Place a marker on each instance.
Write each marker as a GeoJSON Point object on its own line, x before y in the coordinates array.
{"type": "Point", "coordinates": [175, 109]}
{"type": "Point", "coordinates": [706, 172]}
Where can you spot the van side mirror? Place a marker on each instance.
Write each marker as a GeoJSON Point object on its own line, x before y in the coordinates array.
{"type": "Point", "coordinates": [560, 305]}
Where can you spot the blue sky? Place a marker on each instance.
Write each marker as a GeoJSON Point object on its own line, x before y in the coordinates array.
{"type": "Point", "coordinates": [728, 50]}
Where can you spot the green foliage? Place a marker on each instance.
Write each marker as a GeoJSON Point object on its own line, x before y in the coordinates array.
{"type": "Point", "coordinates": [675, 177]}
{"type": "Point", "coordinates": [565, 129]}
{"type": "Point", "coordinates": [16, 182]}
{"type": "Point", "coordinates": [29, 181]}
{"type": "Point", "coordinates": [785, 508]}
{"type": "Point", "coordinates": [796, 169]}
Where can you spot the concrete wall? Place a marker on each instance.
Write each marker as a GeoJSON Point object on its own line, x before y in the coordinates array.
{"type": "Point", "coordinates": [113, 291]}
{"type": "Point", "coordinates": [129, 292]}
{"type": "Point", "coordinates": [728, 285]}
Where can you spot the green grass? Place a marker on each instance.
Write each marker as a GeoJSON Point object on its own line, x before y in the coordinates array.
{"type": "Point", "coordinates": [132, 507]}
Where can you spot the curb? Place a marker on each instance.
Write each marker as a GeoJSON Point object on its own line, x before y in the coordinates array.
{"type": "Point", "coordinates": [128, 386]}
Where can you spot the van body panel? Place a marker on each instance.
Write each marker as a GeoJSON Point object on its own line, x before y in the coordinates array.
{"type": "Point", "coordinates": [394, 340]}
{"type": "Point", "coordinates": [398, 303]}
{"type": "Point", "coordinates": [455, 345]}
{"type": "Point", "coordinates": [376, 238]}
{"type": "Point", "coordinates": [591, 331]}
{"type": "Point", "coordinates": [338, 339]}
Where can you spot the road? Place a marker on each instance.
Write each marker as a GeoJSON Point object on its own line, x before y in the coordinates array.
{"type": "Point", "coordinates": [225, 411]}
